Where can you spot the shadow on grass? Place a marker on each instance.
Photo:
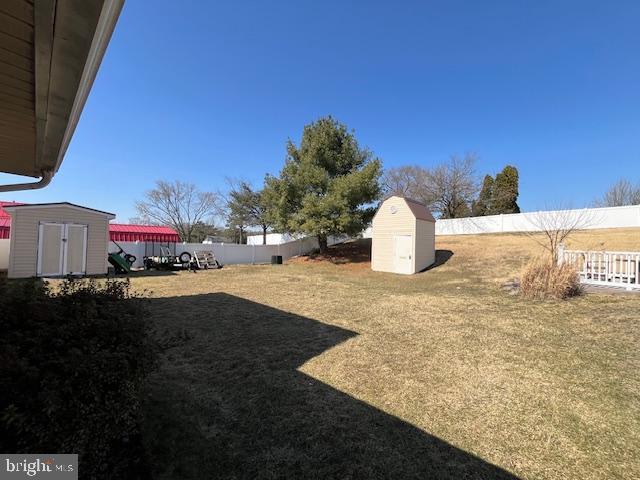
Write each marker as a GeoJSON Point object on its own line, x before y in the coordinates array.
{"type": "Point", "coordinates": [229, 402]}
{"type": "Point", "coordinates": [442, 257]}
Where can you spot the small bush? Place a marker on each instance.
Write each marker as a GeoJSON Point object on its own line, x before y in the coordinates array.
{"type": "Point", "coordinates": [546, 279]}
{"type": "Point", "coordinates": [72, 363]}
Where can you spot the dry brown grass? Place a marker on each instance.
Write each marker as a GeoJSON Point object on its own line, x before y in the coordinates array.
{"type": "Point", "coordinates": [328, 370]}
{"type": "Point", "coordinates": [542, 278]}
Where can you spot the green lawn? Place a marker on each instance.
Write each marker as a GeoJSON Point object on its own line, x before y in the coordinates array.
{"type": "Point", "coordinates": [317, 370]}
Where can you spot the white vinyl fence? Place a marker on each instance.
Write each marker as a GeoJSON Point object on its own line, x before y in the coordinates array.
{"type": "Point", "coordinates": [272, 238]}
{"type": "Point", "coordinates": [616, 269]}
{"type": "Point", "coordinates": [226, 253]}
{"type": "Point", "coordinates": [587, 219]}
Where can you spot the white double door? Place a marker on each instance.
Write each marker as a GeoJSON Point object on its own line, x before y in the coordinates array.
{"type": "Point", "coordinates": [62, 249]}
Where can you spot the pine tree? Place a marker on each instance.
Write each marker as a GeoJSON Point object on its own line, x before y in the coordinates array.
{"type": "Point", "coordinates": [327, 186]}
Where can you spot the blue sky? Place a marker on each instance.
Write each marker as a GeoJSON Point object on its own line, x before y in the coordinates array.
{"type": "Point", "coordinates": [200, 91]}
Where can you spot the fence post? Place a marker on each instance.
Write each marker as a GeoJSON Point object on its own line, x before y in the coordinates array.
{"type": "Point", "coordinates": [561, 254]}
{"type": "Point", "coordinates": [253, 255]}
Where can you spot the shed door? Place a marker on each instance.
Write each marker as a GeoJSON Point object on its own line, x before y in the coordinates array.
{"type": "Point", "coordinates": [75, 250]}
{"type": "Point", "coordinates": [50, 249]}
{"type": "Point", "coordinates": [403, 254]}
{"type": "Point", "coordinates": [62, 249]}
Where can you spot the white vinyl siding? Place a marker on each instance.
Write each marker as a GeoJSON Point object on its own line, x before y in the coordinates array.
{"type": "Point", "coordinates": [425, 252]}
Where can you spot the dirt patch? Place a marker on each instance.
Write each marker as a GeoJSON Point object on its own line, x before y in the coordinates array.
{"type": "Point", "coordinates": [356, 252]}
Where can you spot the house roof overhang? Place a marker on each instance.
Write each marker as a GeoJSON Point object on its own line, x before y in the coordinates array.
{"type": "Point", "coordinates": [50, 52]}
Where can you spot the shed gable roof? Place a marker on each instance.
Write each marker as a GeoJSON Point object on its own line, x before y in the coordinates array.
{"type": "Point", "coordinates": [11, 208]}
{"type": "Point", "coordinates": [418, 210]}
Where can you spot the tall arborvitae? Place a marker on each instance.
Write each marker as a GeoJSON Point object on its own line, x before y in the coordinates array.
{"type": "Point", "coordinates": [483, 205]}
{"type": "Point", "coordinates": [505, 191]}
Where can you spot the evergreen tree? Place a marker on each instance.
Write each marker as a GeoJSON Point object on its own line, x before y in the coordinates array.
{"type": "Point", "coordinates": [239, 215]}
{"type": "Point", "coordinates": [483, 205]}
{"type": "Point", "coordinates": [202, 230]}
{"type": "Point", "coordinates": [327, 185]}
{"type": "Point", "coordinates": [505, 192]}
{"type": "Point", "coordinates": [247, 206]}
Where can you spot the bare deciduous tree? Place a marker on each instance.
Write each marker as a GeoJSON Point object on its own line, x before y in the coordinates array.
{"type": "Point", "coordinates": [448, 189]}
{"type": "Point", "coordinates": [180, 205]}
{"type": "Point", "coordinates": [556, 226]}
{"type": "Point", "coordinates": [621, 193]}
{"type": "Point", "coordinates": [407, 181]}
{"type": "Point", "coordinates": [452, 186]}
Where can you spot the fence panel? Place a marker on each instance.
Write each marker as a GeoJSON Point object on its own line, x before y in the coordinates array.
{"type": "Point", "coordinates": [587, 218]}
{"type": "Point", "coordinates": [231, 253]}
{"type": "Point", "coordinates": [616, 269]}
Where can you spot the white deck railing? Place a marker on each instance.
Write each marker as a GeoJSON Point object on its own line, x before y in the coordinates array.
{"type": "Point", "coordinates": [615, 269]}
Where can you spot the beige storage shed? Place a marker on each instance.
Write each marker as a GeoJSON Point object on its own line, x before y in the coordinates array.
{"type": "Point", "coordinates": [57, 239]}
{"type": "Point", "coordinates": [403, 237]}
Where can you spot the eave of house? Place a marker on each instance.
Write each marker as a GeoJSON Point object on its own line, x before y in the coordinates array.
{"type": "Point", "coordinates": [50, 52]}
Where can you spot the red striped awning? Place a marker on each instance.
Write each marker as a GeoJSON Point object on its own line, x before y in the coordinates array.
{"type": "Point", "coordinates": [5, 219]}
{"type": "Point", "coordinates": [121, 232]}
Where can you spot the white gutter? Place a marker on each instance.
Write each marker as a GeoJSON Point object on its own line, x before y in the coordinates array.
{"type": "Point", "coordinates": [47, 176]}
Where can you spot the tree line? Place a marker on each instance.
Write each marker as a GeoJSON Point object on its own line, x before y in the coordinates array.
{"type": "Point", "coordinates": [451, 188]}
{"type": "Point", "coordinates": [331, 185]}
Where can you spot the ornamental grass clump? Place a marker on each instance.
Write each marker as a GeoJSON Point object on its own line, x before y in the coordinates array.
{"type": "Point", "coordinates": [544, 278]}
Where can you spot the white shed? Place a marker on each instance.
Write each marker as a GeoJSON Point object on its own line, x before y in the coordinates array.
{"type": "Point", "coordinates": [56, 239]}
{"type": "Point", "coordinates": [403, 237]}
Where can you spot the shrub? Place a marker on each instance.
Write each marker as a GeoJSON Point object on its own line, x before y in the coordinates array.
{"type": "Point", "coordinates": [544, 278]}
{"type": "Point", "coordinates": [72, 363]}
